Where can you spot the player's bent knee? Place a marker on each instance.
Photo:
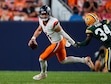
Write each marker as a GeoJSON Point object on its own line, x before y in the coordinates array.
{"type": "Point", "coordinates": [63, 61]}
{"type": "Point", "coordinates": [40, 60]}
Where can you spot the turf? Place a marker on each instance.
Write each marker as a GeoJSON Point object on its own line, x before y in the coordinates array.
{"type": "Point", "coordinates": [25, 77]}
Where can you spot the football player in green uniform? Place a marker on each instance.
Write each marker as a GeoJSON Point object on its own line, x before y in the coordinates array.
{"type": "Point", "coordinates": [100, 30]}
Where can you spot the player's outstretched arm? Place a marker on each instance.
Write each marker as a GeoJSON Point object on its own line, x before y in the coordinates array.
{"type": "Point", "coordinates": [86, 41]}
{"type": "Point", "coordinates": [64, 34]}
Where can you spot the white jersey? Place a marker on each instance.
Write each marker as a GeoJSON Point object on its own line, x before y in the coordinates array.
{"type": "Point", "coordinates": [49, 28]}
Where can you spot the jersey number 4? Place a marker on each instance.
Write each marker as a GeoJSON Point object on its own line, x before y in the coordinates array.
{"type": "Point", "coordinates": [103, 32]}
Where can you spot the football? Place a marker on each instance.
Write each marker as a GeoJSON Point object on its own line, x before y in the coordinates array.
{"type": "Point", "coordinates": [33, 45]}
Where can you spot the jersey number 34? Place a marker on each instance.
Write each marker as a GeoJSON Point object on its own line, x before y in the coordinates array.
{"type": "Point", "coordinates": [103, 32]}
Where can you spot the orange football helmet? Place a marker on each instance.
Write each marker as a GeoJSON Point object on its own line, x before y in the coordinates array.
{"type": "Point", "coordinates": [90, 19]}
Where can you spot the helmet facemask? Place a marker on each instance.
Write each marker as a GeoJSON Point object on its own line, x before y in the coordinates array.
{"type": "Point", "coordinates": [44, 16]}
{"type": "Point", "coordinates": [45, 13]}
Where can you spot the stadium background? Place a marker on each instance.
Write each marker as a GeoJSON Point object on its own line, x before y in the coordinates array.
{"type": "Point", "coordinates": [16, 55]}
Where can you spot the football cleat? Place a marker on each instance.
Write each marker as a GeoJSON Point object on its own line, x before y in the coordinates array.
{"type": "Point", "coordinates": [89, 62]}
{"type": "Point", "coordinates": [40, 76]}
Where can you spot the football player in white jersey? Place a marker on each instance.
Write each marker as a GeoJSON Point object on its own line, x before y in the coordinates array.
{"type": "Point", "coordinates": [58, 38]}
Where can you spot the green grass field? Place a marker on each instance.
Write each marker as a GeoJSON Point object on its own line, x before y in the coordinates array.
{"type": "Point", "coordinates": [25, 77]}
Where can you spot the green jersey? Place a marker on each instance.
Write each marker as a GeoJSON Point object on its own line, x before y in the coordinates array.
{"type": "Point", "coordinates": [102, 32]}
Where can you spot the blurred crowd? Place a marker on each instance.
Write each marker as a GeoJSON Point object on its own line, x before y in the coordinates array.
{"type": "Point", "coordinates": [101, 7]}
{"type": "Point", "coordinates": [27, 10]}
{"type": "Point", "coordinates": [19, 10]}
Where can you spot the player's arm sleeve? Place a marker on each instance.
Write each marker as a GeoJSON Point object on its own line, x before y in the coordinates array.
{"type": "Point", "coordinates": [57, 27]}
{"type": "Point", "coordinates": [65, 35]}
{"type": "Point", "coordinates": [56, 24]}
{"type": "Point", "coordinates": [86, 41]}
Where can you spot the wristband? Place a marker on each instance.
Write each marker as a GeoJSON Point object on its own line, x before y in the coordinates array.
{"type": "Point", "coordinates": [33, 37]}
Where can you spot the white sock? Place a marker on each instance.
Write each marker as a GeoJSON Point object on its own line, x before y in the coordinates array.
{"type": "Point", "coordinates": [72, 59]}
{"type": "Point", "coordinates": [43, 65]}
